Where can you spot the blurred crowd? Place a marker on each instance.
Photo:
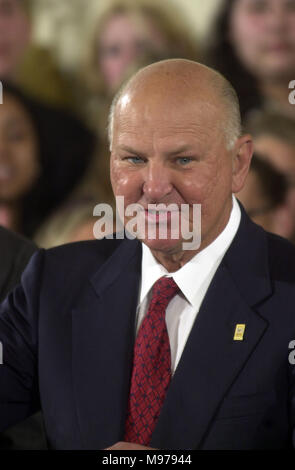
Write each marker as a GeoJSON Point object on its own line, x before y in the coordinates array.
{"type": "Point", "coordinates": [54, 154]}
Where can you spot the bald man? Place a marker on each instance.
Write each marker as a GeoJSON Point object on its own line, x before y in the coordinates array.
{"type": "Point", "coordinates": [177, 334]}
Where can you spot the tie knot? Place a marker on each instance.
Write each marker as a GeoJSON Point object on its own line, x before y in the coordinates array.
{"type": "Point", "coordinates": [164, 290]}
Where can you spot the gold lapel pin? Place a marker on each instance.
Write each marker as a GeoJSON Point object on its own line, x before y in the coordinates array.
{"type": "Point", "coordinates": [239, 332]}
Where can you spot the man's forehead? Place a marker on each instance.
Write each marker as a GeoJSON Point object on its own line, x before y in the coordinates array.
{"type": "Point", "coordinates": [163, 112]}
{"type": "Point", "coordinates": [168, 128]}
{"type": "Point", "coordinates": [167, 140]}
{"type": "Point", "coordinates": [179, 132]}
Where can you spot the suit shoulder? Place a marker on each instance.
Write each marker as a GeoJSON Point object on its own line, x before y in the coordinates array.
{"type": "Point", "coordinates": [281, 255]}
{"type": "Point", "coordinates": [85, 253]}
{"type": "Point", "coordinates": [280, 245]}
{"type": "Point", "coordinates": [68, 268]}
{"type": "Point", "coordinates": [15, 252]}
{"type": "Point", "coordinates": [11, 241]}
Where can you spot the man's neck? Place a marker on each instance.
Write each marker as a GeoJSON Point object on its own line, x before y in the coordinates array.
{"type": "Point", "coordinates": [174, 261]}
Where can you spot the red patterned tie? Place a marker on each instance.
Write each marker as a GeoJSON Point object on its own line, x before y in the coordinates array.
{"type": "Point", "coordinates": [151, 373]}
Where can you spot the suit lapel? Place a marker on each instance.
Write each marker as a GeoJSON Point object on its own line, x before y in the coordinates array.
{"type": "Point", "coordinates": [212, 360]}
{"type": "Point", "coordinates": [103, 336]}
{"type": "Point", "coordinates": [6, 268]}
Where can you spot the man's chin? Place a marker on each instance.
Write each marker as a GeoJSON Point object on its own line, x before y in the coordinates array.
{"type": "Point", "coordinates": [165, 246]}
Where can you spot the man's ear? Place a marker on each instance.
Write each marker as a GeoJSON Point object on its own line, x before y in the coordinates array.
{"type": "Point", "coordinates": [243, 152]}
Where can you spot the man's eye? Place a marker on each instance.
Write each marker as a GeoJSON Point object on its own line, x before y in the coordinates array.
{"type": "Point", "coordinates": [135, 160]}
{"type": "Point", "coordinates": [184, 160]}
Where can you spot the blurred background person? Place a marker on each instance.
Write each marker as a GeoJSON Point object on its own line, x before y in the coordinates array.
{"type": "Point", "coordinates": [253, 45]}
{"type": "Point", "coordinates": [264, 198]}
{"type": "Point", "coordinates": [36, 175]}
{"type": "Point", "coordinates": [26, 64]}
{"type": "Point", "coordinates": [67, 144]}
{"type": "Point", "coordinates": [20, 165]}
{"type": "Point", "coordinates": [274, 139]}
{"type": "Point", "coordinates": [73, 222]}
{"type": "Point", "coordinates": [126, 35]}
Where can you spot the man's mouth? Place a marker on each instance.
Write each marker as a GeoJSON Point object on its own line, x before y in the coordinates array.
{"type": "Point", "coordinates": [159, 216]}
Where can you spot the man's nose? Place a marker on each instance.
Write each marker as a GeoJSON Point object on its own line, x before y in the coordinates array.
{"type": "Point", "coordinates": [157, 183]}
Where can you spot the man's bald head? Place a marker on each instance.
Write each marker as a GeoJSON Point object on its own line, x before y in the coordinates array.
{"type": "Point", "coordinates": [185, 80]}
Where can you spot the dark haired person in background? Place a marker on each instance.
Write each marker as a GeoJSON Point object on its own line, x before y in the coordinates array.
{"type": "Point", "coordinates": [20, 163]}
{"type": "Point", "coordinates": [274, 139]}
{"type": "Point", "coordinates": [253, 45]}
{"type": "Point", "coordinates": [15, 32]}
{"type": "Point", "coordinates": [38, 166]}
{"type": "Point", "coordinates": [264, 198]}
{"type": "Point", "coordinates": [66, 145]}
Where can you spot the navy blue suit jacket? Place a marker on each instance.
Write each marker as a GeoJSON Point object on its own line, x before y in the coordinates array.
{"type": "Point", "coordinates": [68, 334]}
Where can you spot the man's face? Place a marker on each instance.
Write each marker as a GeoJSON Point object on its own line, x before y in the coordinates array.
{"type": "Point", "coordinates": [173, 151]}
{"type": "Point", "coordinates": [14, 36]}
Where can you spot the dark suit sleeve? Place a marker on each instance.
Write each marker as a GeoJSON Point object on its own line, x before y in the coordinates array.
{"type": "Point", "coordinates": [19, 394]}
{"type": "Point", "coordinates": [15, 253]}
{"type": "Point", "coordinates": [21, 260]}
{"type": "Point", "coordinates": [23, 257]}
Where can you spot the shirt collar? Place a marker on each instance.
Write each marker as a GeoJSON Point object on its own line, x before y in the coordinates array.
{"type": "Point", "coordinates": [192, 275]}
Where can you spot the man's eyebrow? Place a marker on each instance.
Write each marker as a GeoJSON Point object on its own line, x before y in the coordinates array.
{"type": "Point", "coordinates": [176, 151]}
{"type": "Point", "coordinates": [180, 149]}
{"type": "Point", "coordinates": [128, 149]}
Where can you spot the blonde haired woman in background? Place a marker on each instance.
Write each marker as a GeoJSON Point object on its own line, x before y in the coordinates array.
{"type": "Point", "coordinates": [126, 35]}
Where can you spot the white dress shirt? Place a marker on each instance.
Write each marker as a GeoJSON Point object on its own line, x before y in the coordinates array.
{"type": "Point", "coordinates": [193, 280]}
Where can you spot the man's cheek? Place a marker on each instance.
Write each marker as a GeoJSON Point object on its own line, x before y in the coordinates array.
{"type": "Point", "coordinates": [118, 179]}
